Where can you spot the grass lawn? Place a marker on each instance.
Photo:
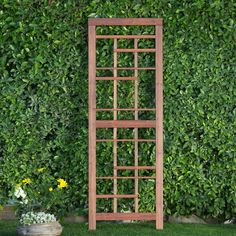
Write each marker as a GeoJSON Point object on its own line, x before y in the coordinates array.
{"type": "Point", "coordinates": [7, 228]}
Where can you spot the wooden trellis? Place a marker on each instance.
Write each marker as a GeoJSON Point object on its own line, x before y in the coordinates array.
{"type": "Point", "coordinates": [115, 123]}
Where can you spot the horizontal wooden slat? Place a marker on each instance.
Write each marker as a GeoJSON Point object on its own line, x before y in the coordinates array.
{"type": "Point", "coordinates": [125, 68]}
{"type": "Point", "coordinates": [124, 21]}
{"type": "Point", "coordinates": [125, 36]}
{"type": "Point", "coordinates": [126, 140]}
{"type": "Point", "coordinates": [116, 78]}
{"type": "Point", "coordinates": [126, 216]}
{"type": "Point", "coordinates": [135, 167]}
{"type": "Point", "coordinates": [126, 177]}
{"type": "Point", "coordinates": [135, 50]}
{"type": "Point", "coordinates": [125, 123]}
{"type": "Point", "coordinates": [125, 109]}
{"type": "Point", "coordinates": [116, 196]}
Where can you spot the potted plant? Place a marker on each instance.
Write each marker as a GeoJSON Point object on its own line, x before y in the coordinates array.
{"type": "Point", "coordinates": [38, 201]}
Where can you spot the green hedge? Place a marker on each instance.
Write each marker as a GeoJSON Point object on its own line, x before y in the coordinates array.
{"type": "Point", "coordinates": [43, 100]}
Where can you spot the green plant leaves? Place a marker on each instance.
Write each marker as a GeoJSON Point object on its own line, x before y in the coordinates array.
{"type": "Point", "coordinates": [43, 99]}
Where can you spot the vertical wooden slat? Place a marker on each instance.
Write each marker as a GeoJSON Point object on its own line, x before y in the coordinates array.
{"type": "Point", "coordinates": [136, 118]}
{"type": "Point", "coordinates": [92, 127]}
{"type": "Point", "coordinates": [115, 129]}
{"type": "Point", "coordinates": [159, 130]}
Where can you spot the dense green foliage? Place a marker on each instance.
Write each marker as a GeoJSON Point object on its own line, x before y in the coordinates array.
{"type": "Point", "coordinates": [43, 100]}
{"type": "Point", "coordinates": [44, 94]}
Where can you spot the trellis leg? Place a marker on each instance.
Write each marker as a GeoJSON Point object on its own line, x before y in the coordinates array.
{"type": "Point", "coordinates": [115, 129]}
{"type": "Point", "coordinates": [136, 118]}
{"type": "Point", "coordinates": [159, 130]}
{"type": "Point", "coordinates": [92, 128]}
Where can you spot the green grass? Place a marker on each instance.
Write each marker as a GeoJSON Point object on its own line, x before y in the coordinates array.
{"type": "Point", "coordinates": [7, 228]}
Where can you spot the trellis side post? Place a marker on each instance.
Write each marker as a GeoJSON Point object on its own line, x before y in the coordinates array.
{"type": "Point", "coordinates": [92, 127]}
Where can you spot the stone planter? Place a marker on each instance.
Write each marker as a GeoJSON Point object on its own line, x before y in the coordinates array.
{"type": "Point", "coordinates": [47, 229]}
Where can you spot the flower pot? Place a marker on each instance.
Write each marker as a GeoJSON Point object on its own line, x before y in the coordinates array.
{"type": "Point", "coordinates": [47, 229]}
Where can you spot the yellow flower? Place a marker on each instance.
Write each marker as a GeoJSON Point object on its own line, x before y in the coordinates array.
{"type": "Point", "coordinates": [26, 181]}
{"type": "Point", "coordinates": [50, 189]}
{"type": "Point", "coordinates": [41, 169]}
{"type": "Point", "coordinates": [62, 183]}
{"type": "Point", "coordinates": [18, 185]}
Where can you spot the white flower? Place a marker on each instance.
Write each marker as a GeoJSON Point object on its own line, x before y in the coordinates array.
{"type": "Point", "coordinates": [19, 192]}
{"type": "Point", "coordinates": [25, 201]}
{"type": "Point", "coordinates": [36, 218]}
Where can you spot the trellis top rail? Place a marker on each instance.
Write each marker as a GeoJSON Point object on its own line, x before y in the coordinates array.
{"type": "Point", "coordinates": [124, 21]}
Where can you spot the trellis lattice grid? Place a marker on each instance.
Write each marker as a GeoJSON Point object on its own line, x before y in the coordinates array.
{"type": "Point", "coordinates": [115, 123]}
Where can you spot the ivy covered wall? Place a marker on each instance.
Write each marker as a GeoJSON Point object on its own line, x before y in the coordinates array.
{"type": "Point", "coordinates": [44, 111]}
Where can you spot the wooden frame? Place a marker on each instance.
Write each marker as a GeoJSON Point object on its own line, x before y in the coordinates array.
{"type": "Point", "coordinates": [136, 123]}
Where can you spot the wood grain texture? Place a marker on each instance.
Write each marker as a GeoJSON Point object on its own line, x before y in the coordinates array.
{"type": "Point", "coordinates": [135, 167]}
{"type": "Point", "coordinates": [126, 68]}
{"type": "Point", "coordinates": [126, 140]}
{"type": "Point", "coordinates": [135, 50]}
{"type": "Point", "coordinates": [115, 128]}
{"type": "Point", "coordinates": [124, 21]}
{"type": "Point", "coordinates": [136, 129]}
{"type": "Point", "coordinates": [125, 36]}
{"type": "Point", "coordinates": [126, 216]}
{"type": "Point", "coordinates": [116, 78]}
{"type": "Point", "coordinates": [44, 229]}
{"type": "Point", "coordinates": [92, 128]}
{"type": "Point", "coordinates": [126, 177]}
{"type": "Point", "coordinates": [125, 123]}
{"type": "Point", "coordinates": [126, 109]}
{"type": "Point", "coordinates": [117, 196]}
{"type": "Point", "coordinates": [159, 131]}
